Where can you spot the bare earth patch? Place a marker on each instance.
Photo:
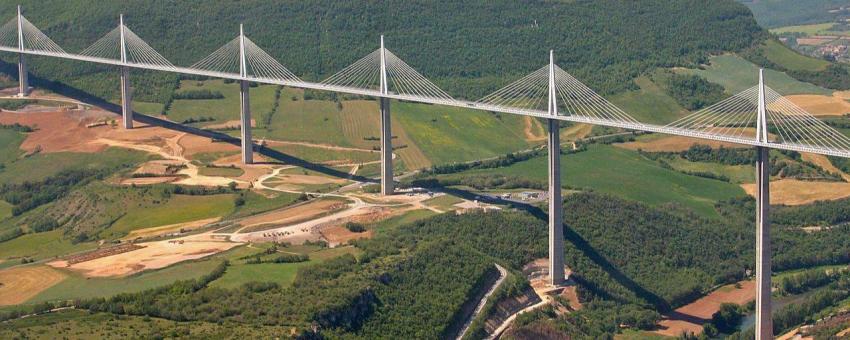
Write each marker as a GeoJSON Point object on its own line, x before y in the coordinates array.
{"type": "Point", "coordinates": [154, 255]}
{"type": "Point", "coordinates": [823, 162]}
{"type": "Point", "coordinates": [691, 317]}
{"type": "Point", "coordinates": [796, 192]}
{"type": "Point", "coordinates": [673, 144]}
{"type": "Point", "coordinates": [339, 235]}
{"type": "Point", "coordinates": [820, 105]}
{"type": "Point", "coordinates": [59, 131]}
{"type": "Point", "coordinates": [17, 285]}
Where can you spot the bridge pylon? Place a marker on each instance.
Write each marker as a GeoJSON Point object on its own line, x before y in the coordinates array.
{"type": "Point", "coordinates": [764, 319]}
{"type": "Point", "coordinates": [23, 77]}
{"type": "Point", "coordinates": [126, 90]}
{"type": "Point", "coordinates": [556, 221]}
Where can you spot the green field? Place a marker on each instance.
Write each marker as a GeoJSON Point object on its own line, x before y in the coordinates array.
{"type": "Point", "coordinates": [449, 134]}
{"type": "Point", "coordinates": [444, 202]}
{"type": "Point", "coordinates": [780, 54]}
{"type": "Point", "coordinates": [43, 165]}
{"type": "Point", "coordinates": [736, 74]}
{"type": "Point", "coordinates": [649, 104]}
{"type": "Point", "coordinates": [812, 29]}
{"type": "Point", "coordinates": [625, 173]}
{"type": "Point", "coordinates": [320, 155]}
{"type": "Point", "coordinates": [151, 109]}
{"type": "Point", "coordinates": [5, 210]}
{"type": "Point", "coordinates": [10, 142]}
{"type": "Point", "coordinates": [736, 173]}
{"type": "Point", "coordinates": [222, 110]}
{"type": "Point", "coordinates": [220, 171]}
{"type": "Point", "coordinates": [313, 121]}
{"type": "Point", "coordinates": [256, 203]}
{"type": "Point", "coordinates": [38, 246]}
{"type": "Point", "coordinates": [280, 273]}
{"type": "Point", "coordinates": [178, 209]}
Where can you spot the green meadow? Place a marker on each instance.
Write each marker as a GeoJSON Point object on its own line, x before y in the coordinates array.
{"type": "Point", "coordinates": [626, 174]}
{"type": "Point", "coordinates": [736, 74]}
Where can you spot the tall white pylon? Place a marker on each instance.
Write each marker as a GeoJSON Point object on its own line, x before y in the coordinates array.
{"type": "Point", "coordinates": [126, 91]}
{"type": "Point", "coordinates": [386, 129]}
{"type": "Point", "coordinates": [23, 77]}
{"type": "Point", "coordinates": [244, 102]}
{"type": "Point", "coordinates": [556, 222]}
{"type": "Point", "coordinates": [764, 320]}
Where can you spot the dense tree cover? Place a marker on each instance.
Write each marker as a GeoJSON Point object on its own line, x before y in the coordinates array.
{"type": "Point", "coordinates": [469, 48]}
{"type": "Point", "coordinates": [728, 318]}
{"type": "Point", "coordinates": [198, 94]}
{"type": "Point", "coordinates": [476, 181]}
{"type": "Point", "coordinates": [807, 280]}
{"type": "Point", "coordinates": [690, 91]}
{"type": "Point", "coordinates": [821, 213]}
{"type": "Point", "coordinates": [596, 320]}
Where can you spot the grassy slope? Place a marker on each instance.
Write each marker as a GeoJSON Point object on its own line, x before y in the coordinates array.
{"type": "Point", "coordinates": [812, 29]}
{"type": "Point", "coordinates": [736, 173]}
{"type": "Point", "coordinates": [780, 54]}
{"type": "Point", "coordinates": [736, 74]}
{"type": "Point", "coordinates": [178, 209]}
{"type": "Point", "coordinates": [41, 246]}
{"type": "Point", "coordinates": [40, 166]}
{"type": "Point", "coordinates": [650, 104]}
{"type": "Point", "coordinates": [625, 173]}
{"type": "Point", "coordinates": [10, 142]}
{"type": "Point", "coordinates": [223, 110]}
{"type": "Point", "coordinates": [447, 134]}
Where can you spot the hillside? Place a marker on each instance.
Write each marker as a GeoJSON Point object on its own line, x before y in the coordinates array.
{"type": "Point", "coordinates": [777, 13]}
{"type": "Point", "coordinates": [469, 48]}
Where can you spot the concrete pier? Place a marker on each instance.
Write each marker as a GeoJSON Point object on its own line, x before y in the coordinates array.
{"type": "Point", "coordinates": [386, 149]}
{"type": "Point", "coordinates": [245, 118]}
{"type": "Point", "coordinates": [23, 77]}
{"type": "Point", "coordinates": [764, 321]}
{"type": "Point", "coordinates": [126, 98]}
{"type": "Point", "coordinates": [556, 221]}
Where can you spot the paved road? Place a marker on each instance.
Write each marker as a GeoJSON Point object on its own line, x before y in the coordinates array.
{"type": "Point", "coordinates": [502, 274]}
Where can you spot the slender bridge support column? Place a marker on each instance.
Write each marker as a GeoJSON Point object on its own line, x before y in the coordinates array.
{"type": "Point", "coordinates": [386, 130]}
{"type": "Point", "coordinates": [556, 221]}
{"type": "Point", "coordinates": [764, 318]}
{"type": "Point", "coordinates": [126, 98]}
{"type": "Point", "coordinates": [23, 79]}
{"type": "Point", "coordinates": [245, 103]}
{"type": "Point", "coordinates": [245, 116]}
{"type": "Point", "coordinates": [386, 149]}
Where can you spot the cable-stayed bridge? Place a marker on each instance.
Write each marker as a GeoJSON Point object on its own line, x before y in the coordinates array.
{"type": "Point", "coordinates": [759, 116]}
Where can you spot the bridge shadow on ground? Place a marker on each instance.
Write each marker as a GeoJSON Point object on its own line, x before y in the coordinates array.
{"type": "Point", "coordinates": [269, 153]}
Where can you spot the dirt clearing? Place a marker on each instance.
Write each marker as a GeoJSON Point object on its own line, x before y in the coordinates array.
{"type": "Point", "coordinates": [60, 131]}
{"type": "Point", "coordinates": [17, 285]}
{"type": "Point", "coordinates": [673, 144]}
{"type": "Point", "coordinates": [153, 255]}
{"type": "Point", "coordinates": [796, 192]}
{"type": "Point", "coordinates": [690, 318]}
{"type": "Point", "coordinates": [820, 105]}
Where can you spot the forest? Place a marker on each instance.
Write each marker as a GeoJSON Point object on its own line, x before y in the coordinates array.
{"type": "Point", "coordinates": [469, 48]}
